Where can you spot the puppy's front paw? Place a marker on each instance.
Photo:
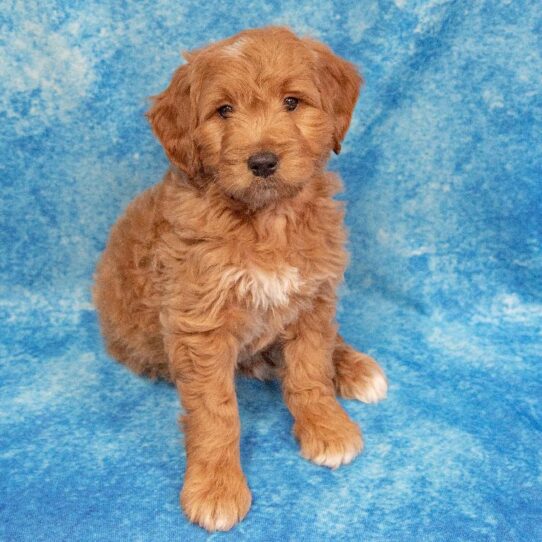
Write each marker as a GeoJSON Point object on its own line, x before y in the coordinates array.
{"type": "Point", "coordinates": [330, 441]}
{"type": "Point", "coordinates": [216, 500]}
{"type": "Point", "coordinates": [358, 376]}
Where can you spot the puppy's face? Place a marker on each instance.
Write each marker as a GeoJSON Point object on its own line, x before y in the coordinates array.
{"type": "Point", "coordinates": [257, 114]}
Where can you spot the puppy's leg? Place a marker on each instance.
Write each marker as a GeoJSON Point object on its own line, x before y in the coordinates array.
{"type": "Point", "coordinates": [215, 493]}
{"type": "Point", "coordinates": [325, 432]}
{"type": "Point", "coordinates": [357, 375]}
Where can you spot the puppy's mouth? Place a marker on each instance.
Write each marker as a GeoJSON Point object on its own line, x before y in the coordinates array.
{"type": "Point", "coordinates": [268, 183]}
{"type": "Point", "coordinates": [264, 191]}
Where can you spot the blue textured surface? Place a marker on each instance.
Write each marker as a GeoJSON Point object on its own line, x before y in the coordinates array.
{"type": "Point", "coordinates": [443, 173]}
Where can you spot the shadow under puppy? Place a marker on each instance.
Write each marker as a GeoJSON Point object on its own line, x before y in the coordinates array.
{"type": "Point", "coordinates": [233, 260]}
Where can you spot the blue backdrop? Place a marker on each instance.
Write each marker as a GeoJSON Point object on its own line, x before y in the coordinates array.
{"type": "Point", "coordinates": [443, 174]}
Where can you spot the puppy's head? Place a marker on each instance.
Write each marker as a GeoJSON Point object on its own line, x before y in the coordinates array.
{"type": "Point", "coordinates": [257, 113]}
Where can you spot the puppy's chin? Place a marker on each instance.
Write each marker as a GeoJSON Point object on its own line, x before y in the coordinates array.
{"type": "Point", "coordinates": [259, 193]}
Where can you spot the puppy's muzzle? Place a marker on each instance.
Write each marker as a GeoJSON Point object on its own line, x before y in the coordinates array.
{"type": "Point", "coordinates": [263, 164]}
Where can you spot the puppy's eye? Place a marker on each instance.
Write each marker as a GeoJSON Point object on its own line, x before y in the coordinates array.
{"type": "Point", "coordinates": [290, 103]}
{"type": "Point", "coordinates": [225, 111]}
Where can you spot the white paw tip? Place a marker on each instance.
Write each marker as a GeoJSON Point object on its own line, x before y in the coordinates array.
{"type": "Point", "coordinates": [335, 460]}
{"type": "Point", "coordinates": [211, 523]}
{"type": "Point", "coordinates": [375, 390]}
{"type": "Point", "coordinates": [222, 524]}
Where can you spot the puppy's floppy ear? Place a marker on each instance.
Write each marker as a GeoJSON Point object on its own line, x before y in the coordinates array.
{"type": "Point", "coordinates": [172, 121]}
{"type": "Point", "coordinates": [339, 83]}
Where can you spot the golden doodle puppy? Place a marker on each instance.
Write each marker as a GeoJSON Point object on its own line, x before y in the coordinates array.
{"type": "Point", "coordinates": [233, 260]}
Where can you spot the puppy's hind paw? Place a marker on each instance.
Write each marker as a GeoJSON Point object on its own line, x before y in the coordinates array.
{"type": "Point", "coordinates": [358, 376]}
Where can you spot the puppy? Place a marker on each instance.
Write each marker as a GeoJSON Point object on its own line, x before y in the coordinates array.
{"type": "Point", "coordinates": [232, 261]}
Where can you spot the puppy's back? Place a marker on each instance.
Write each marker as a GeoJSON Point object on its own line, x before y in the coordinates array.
{"type": "Point", "coordinates": [125, 290]}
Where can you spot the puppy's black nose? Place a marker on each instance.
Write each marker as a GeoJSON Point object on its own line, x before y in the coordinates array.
{"type": "Point", "coordinates": [263, 164]}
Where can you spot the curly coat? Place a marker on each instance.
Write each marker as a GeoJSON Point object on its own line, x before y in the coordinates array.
{"type": "Point", "coordinates": [217, 269]}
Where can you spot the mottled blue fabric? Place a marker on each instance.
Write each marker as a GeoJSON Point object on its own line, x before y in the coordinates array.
{"type": "Point", "coordinates": [442, 169]}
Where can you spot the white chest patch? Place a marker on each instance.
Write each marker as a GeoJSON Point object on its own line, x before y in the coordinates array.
{"type": "Point", "coordinates": [263, 289]}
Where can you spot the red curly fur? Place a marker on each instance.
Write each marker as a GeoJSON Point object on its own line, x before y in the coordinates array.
{"type": "Point", "coordinates": [215, 269]}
